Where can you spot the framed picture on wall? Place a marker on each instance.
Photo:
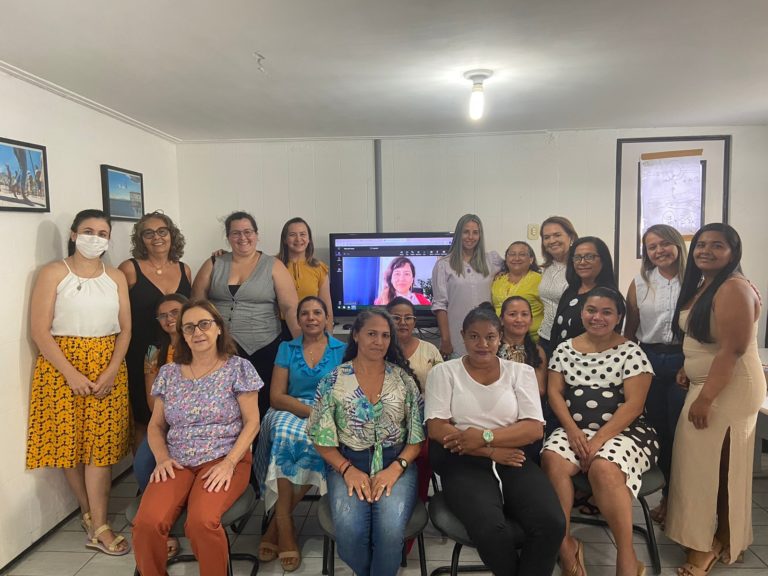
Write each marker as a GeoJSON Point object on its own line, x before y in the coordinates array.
{"type": "Point", "coordinates": [123, 193]}
{"type": "Point", "coordinates": [681, 181]}
{"type": "Point", "coordinates": [23, 177]}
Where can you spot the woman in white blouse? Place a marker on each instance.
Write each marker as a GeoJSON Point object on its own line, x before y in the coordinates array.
{"type": "Point", "coordinates": [557, 235]}
{"type": "Point", "coordinates": [651, 302]}
{"type": "Point", "coordinates": [480, 412]}
{"type": "Point", "coordinates": [461, 280]}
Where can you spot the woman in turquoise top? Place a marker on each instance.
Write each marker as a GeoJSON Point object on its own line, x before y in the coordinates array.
{"type": "Point", "coordinates": [287, 464]}
{"type": "Point", "coordinates": [367, 425]}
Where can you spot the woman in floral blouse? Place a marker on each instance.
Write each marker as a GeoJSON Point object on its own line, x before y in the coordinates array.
{"type": "Point", "coordinates": [367, 425]}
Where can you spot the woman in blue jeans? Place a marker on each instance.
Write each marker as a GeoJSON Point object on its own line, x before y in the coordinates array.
{"type": "Point", "coordinates": [367, 425]}
{"type": "Point", "coordinates": [651, 302]}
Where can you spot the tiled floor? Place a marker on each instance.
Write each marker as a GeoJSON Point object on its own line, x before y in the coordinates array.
{"type": "Point", "coordinates": [63, 554]}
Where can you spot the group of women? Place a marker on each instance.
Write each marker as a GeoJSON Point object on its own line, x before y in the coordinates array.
{"type": "Point", "coordinates": [246, 349]}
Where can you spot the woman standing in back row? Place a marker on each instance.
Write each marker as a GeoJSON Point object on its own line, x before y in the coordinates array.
{"type": "Point", "coordinates": [710, 499]}
{"type": "Point", "coordinates": [651, 303]}
{"type": "Point", "coordinates": [557, 235]}
{"type": "Point", "coordinates": [461, 280]}
{"type": "Point", "coordinates": [155, 270]}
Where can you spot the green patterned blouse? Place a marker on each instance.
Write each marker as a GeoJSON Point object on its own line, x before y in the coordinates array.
{"type": "Point", "coordinates": [342, 413]}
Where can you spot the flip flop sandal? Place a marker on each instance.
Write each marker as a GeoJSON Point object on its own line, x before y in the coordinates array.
{"type": "Point", "coordinates": [112, 549]}
{"type": "Point", "coordinates": [173, 547]}
{"type": "Point", "coordinates": [589, 509]}
{"type": "Point", "coordinates": [266, 552]}
{"type": "Point", "coordinates": [290, 555]}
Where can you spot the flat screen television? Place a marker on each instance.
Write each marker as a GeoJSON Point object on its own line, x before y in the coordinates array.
{"type": "Point", "coordinates": [368, 268]}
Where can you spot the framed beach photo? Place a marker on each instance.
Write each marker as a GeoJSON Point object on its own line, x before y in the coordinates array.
{"type": "Point", "coordinates": [123, 193]}
{"type": "Point", "coordinates": [23, 177]}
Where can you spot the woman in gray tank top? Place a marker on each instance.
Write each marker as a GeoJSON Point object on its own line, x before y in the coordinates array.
{"type": "Point", "coordinates": [251, 290]}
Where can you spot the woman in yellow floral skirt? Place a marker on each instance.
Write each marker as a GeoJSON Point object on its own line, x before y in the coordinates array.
{"type": "Point", "coordinates": [79, 416]}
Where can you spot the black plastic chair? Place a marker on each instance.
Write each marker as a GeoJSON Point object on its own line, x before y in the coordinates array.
{"type": "Point", "coordinates": [236, 517]}
{"type": "Point", "coordinates": [652, 481]}
{"type": "Point", "coordinates": [414, 529]}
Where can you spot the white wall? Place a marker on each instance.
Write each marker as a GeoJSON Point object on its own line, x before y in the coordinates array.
{"type": "Point", "coordinates": [514, 180]}
{"type": "Point", "coordinates": [328, 183]}
{"type": "Point", "coordinates": [78, 140]}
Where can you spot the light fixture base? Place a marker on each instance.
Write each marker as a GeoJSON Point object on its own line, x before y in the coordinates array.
{"type": "Point", "coordinates": [479, 75]}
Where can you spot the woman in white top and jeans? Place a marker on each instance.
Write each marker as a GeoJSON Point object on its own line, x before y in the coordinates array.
{"type": "Point", "coordinates": [651, 302]}
{"type": "Point", "coordinates": [480, 411]}
{"type": "Point", "coordinates": [557, 235]}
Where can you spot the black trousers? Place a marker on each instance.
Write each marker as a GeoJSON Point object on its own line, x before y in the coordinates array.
{"type": "Point", "coordinates": [264, 361]}
{"type": "Point", "coordinates": [473, 494]}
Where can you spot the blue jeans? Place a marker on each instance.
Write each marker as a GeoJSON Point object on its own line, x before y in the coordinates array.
{"type": "Point", "coordinates": [143, 465]}
{"type": "Point", "coordinates": [369, 537]}
{"type": "Point", "coordinates": [664, 403]}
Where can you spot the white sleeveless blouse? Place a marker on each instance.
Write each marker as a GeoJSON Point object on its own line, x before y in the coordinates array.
{"type": "Point", "coordinates": [87, 307]}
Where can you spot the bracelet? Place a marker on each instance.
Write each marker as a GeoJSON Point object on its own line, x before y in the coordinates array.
{"type": "Point", "coordinates": [347, 467]}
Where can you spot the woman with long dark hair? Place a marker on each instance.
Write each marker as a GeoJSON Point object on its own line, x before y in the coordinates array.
{"type": "Point", "coordinates": [710, 499]}
{"type": "Point", "coordinates": [367, 425]}
{"type": "Point", "coordinates": [589, 265]}
{"type": "Point", "coordinates": [398, 283]}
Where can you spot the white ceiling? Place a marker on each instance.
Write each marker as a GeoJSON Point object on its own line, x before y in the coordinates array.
{"type": "Point", "coordinates": [378, 68]}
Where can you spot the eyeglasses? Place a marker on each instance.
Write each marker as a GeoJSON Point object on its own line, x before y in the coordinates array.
{"type": "Point", "coordinates": [518, 255]}
{"type": "Point", "coordinates": [172, 315]}
{"type": "Point", "coordinates": [585, 258]}
{"type": "Point", "coordinates": [204, 325]}
{"type": "Point", "coordinates": [250, 233]}
{"type": "Point", "coordinates": [149, 234]}
{"type": "Point", "coordinates": [404, 319]}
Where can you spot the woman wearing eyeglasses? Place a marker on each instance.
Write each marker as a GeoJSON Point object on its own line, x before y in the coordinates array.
{"type": "Point", "coordinates": [589, 265]}
{"type": "Point", "coordinates": [155, 269]}
{"type": "Point", "coordinates": [251, 290]}
{"type": "Point", "coordinates": [204, 419]}
{"type": "Point", "coordinates": [422, 357]}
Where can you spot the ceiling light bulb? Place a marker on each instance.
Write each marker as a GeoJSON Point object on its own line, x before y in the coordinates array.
{"type": "Point", "coordinates": [477, 98]}
{"type": "Point", "coordinates": [476, 102]}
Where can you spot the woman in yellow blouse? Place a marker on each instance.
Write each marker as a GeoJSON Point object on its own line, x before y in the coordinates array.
{"type": "Point", "coordinates": [520, 276]}
{"type": "Point", "coordinates": [309, 274]}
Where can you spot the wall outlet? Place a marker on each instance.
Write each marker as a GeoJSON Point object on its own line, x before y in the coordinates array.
{"type": "Point", "coordinates": [533, 231]}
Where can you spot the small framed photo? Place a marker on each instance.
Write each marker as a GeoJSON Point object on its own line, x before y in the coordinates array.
{"type": "Point", "coordinates": [23, 177]}
{"type": "Point", "coordinates": [123, 193]}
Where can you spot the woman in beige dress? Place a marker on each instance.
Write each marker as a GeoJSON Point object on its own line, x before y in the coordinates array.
{"type": "Point", "coordinates": [710, 500]}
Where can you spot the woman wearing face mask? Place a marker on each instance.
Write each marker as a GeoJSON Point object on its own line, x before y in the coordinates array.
{"type": "Point", "coordinates": [154, 270]}
{"type": "Point", "coordinates": [78, 418]}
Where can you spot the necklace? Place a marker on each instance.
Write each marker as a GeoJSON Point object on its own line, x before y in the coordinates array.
{"type": "Point", "coordinates": [211, 369]}
{"type": "Point", "coordinates": [309, 347]}
{"type": "Point", "coordinates": [80, 280]}
{"type": "Point", "coordinates": [158, 269]}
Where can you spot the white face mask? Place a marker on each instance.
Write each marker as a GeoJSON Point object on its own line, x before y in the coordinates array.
{"type": "Point", "coordinates": [91, 246]}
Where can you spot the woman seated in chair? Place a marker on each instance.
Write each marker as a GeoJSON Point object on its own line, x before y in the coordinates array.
{"type": "Point", "coordinates": [481, 410]}
{"type": "Point", "coordinates": [367, 425]}
{"type": "Point", "coordinates": [422, 357]}
{"type": "Point", "coordinates": [204, 419]}
{"type": "Point", "coordinates": [287, 464]}
{"type": "Point", "coordinates": [597, 386]}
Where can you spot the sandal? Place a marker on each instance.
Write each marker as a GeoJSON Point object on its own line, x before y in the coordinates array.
{"type": "Point", "coordinates": [659, 514]}
{"type": "Point", "coordinates": [689, 569]}
{"type": "Point", "coordinates": [585, 505]}
{"type": "Point", "coordinates": [111, 549]}
{"type": "Point", "coordinates": [287, 556]}
{"type": "Point", "coordinates": [173, 547]}
{"type": "Point", "coordinates": [87, 524]}
{"type": "Point", "coordinates": [578, 564]}
{"type": "Point", "coordinates": [640, 568]}
{"type": "Point", "coordinates": [266, 552]}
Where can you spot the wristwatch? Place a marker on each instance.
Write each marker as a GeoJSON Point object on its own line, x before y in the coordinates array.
{"type": "Point", "coordinates": [403, 463]}
{"type": "Point", "coordinates": [488, 437]}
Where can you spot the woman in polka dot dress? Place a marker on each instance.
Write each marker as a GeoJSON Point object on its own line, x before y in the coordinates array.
{"type": "Point", "coordinates": [597, 387]}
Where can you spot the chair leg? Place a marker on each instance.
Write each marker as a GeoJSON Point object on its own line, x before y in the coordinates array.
{"type": "Point", "coordinates": [403, 560]}
{"type": "Point", "coordinates": [422, 554]}
{"type": "Point", "coordinates": [650, 536]}
{"type": "Point", "coordinates": [326, 546]}
{"type": "Point", "coordinates": [331, 558]}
